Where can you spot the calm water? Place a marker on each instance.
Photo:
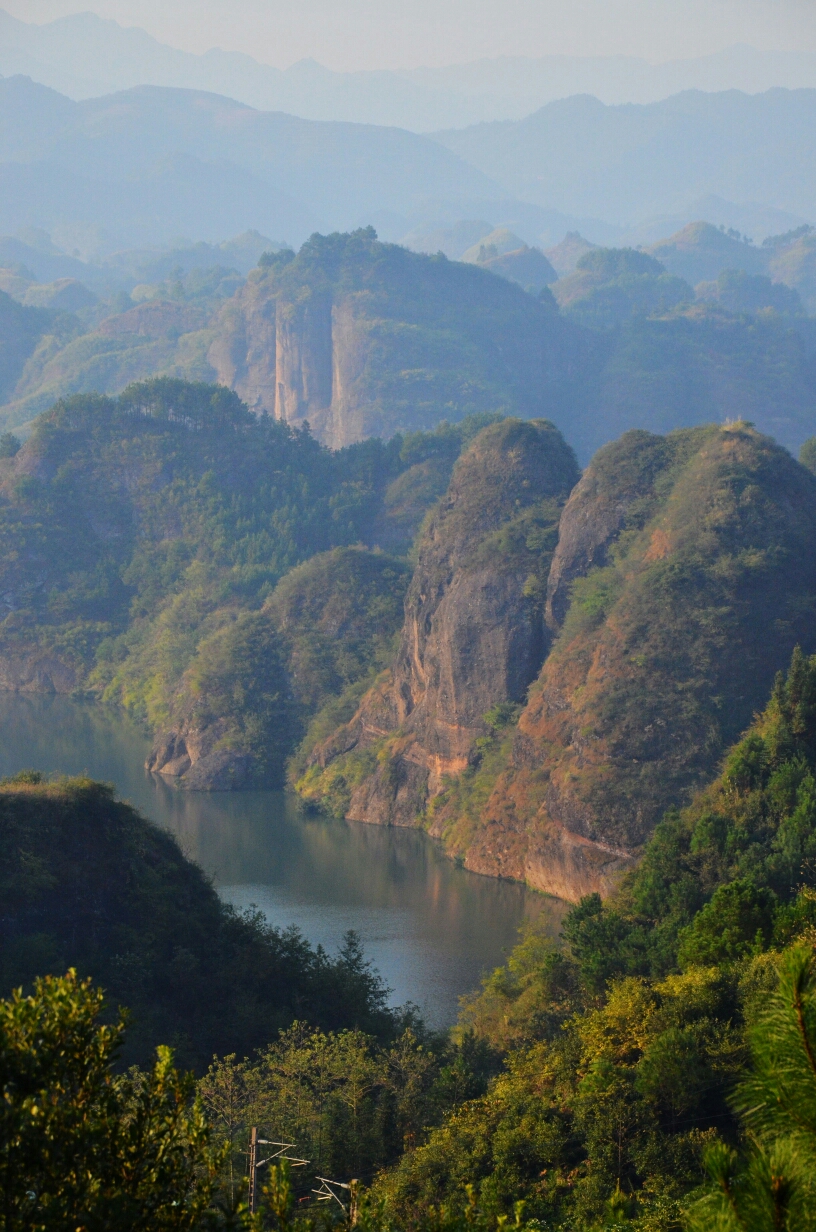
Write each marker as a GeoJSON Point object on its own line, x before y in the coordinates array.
{"type": "Point", "coordinates": [429, 927]}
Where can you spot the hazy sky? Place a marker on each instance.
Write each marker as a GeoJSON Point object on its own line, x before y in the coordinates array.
{"type": "Point", "coordinates": [351, 34]}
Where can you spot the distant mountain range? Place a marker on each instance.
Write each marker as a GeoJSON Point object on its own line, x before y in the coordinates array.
{"type": "Point", "coordinates": [626, 163]}
{"type": "Point", "coordinates": [151, 164]}
{"type": "Point", "coordinates": [85, 56]}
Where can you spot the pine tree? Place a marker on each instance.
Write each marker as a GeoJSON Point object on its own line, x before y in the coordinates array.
{"type": "Point", "coordinates": [771, 1185]}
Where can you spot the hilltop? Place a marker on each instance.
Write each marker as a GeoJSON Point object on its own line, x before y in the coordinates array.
{"type": "Point", "coordinates": [680, 576]}
{"type": "Point", "coordinates": [367, 339]}
{"type": "Point", "coordinates": [362, 338]}
{"type": "Point", "coordinates": [89, 883]}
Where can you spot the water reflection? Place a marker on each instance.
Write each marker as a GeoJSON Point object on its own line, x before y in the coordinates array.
{"type": "Point", "coordinates": [430, 927]}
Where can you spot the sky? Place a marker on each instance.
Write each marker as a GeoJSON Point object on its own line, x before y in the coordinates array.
{"type": "Point", "coordinates": [400, 34]}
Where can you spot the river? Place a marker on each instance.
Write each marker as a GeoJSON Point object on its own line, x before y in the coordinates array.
{"type": "Point", "coordinates": [430, 927]}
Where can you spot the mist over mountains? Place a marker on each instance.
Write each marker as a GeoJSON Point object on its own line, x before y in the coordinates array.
{"type": "Point", "coordinates": [628, 162]}
{"type": "Point", "coordinates": [150, 164]}
{"type": "Point", "coordinates": [85, 56]}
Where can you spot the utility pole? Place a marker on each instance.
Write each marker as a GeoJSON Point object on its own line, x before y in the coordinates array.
{"type": "Point", "coordinates": [253, 1170]}
{"type": "Point", "coordinates": [328, 1190]}
{"type": "Point", "coordinates": [255, 1163]}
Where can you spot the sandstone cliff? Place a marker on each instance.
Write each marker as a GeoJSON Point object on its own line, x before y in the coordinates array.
{"type": "Point", "coordinates": [473, 635]}
{"type": "Point", "coordinates": [691, 565]}
{"type": "Point", "coordinates": [683, 576]}
{"type": "Point", "coordinates": [366, 339]}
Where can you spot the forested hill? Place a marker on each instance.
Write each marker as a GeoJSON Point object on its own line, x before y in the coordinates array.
{"type": "Point", "coordinates": [140, 538]}
{"type": "Point", "coordinates": [88, 883]}
{"type": "Point", "coordinates": [567, 671]}
{"type": "Point", "coordinates": [453, 629]}
{"type": "Point", "coordinates": [362, 338]}
{"type": "Point", "coordinates": [666, 1055]}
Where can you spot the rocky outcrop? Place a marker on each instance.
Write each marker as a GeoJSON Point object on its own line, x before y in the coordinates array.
{"type": "Point", "coordinates": [34, 670]}
{"type": "Point", "coordinates": [366, 339]}
{"type": "Point", "coordinates": [296, 357]}
{"type": "Point", "coordinates": [683, 576]}
{"type": "Point", "coordinates": [197, 760]}
{"type": "Point", "coordinates": [692, 560]}
{"type": "Point", "coordinates": [303, 359]}
{"type": "Point", "coordinates": [597, 510]}
{"type": "Point", "coordinates": [473, 634]}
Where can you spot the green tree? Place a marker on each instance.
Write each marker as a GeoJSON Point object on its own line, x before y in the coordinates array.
{"type": "Point", "coordinates": [227, 1099]}
{"type": "Point", "coordinates": [772, 1184]}
{"type": "Point", "coordinates": [85, 1150]}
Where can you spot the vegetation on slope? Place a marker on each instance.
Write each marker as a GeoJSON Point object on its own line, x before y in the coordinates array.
{"type": "Point", "coordinates": [657, 1072]}
{"type": "Point", "coordinates": [696, 580]}
{"type": "Point", "coordinates": [338, 615]}
{"type": "Point", "coordinates": [20, 330]}
{"type": "Point", "coordinates": [81, 1147]}
{"type": "Point", "coordinates": [141, 536]}
{"type": "Point", "coordinates": [737, 291]}
{"type": "Point", "coordinates": [623, 1054]}
{"type": "Point", "coordinates": [88, 883]}
{"type": "Point", "coordinates": [612, 284]}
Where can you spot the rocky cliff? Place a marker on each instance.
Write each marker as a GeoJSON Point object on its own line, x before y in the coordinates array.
{"type": "Point", "coordinates": [364, 339]}
{"type": "Point", "coordinates": [473, 635]}
{"type": "Point", "coordinates": [684, 575]}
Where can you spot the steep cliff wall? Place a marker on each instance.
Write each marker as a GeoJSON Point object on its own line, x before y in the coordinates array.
{"type": "Point", "coordinates": [303, 358]}
{"type": "Point", "coordinates": [367, 339]}
{"type": "Point", "coordinates": [243, 352]}
{"type": "Point", "coordinates": [473, 635]}
{"type": "Point", "coordinates": [691, 562]}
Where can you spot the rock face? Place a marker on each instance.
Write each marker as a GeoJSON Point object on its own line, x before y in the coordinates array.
{"type": "Point", "coordinates": [366, 339]}
{"type": "Point", "coordinates": [683, 576]}
{"type": "Point", "coordinates": [473, 634]}
{"type": "Point", "coordinates": [193, 758]}
{"type": "Point", "coordinates": [692, 561]}
{"type": "Point", "coordinates": [34, 670]}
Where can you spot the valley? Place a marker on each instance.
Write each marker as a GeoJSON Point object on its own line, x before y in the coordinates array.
{"type": "Point", "coordinates": [407, 634]}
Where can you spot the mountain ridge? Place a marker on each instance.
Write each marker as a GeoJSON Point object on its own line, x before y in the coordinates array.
{"type": "Point", "coordinates": [683, 576]}
{"type": "Point", "coordinates": [420, 99]}
{"type": "Point", "coordinates": [572, 154]}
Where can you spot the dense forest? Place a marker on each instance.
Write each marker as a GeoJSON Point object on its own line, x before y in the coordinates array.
{"type": "Point", "coordinates": [655, 1072]}
{"type": "Point", "coordinates": [362, 338]}
{"type": "Point", "coordinates": [88, 883]}
{"type": "Point", "coordinates": [562, 675]}
{"type": "Point", "coordinates": [143, 540]}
